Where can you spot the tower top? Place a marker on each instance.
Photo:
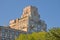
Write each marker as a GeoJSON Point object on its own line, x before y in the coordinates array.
{"type": "Point", "coordinates": [30, 7]}
{"type": "Point", "coordinates": [28, 10]}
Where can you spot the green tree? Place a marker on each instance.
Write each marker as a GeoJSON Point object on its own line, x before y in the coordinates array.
{"type": "Point", "coordinates": [33, 36]}
{"type": "Point", "coordinates": [22, 37]}
{"type": "Point", "coordinates": [54, 34]}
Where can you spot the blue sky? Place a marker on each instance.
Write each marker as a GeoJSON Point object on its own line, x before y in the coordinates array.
{"type": "Point", "coordinates": [49, 10]}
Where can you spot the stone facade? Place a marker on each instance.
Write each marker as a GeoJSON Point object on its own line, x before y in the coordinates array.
{"type": "Point", "coordinates": [7, 33]}
{"type": "Point", "coordinates": [29, 22]}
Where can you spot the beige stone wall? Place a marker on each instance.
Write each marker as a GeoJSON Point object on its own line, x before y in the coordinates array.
{"type": "Point", "coordinates": [14, 23]}
{"type": "Point", "coordinates": [29, 18]}
{"type": "Point", "coordinates": [20, 24]}
{"type": "Point", "coordinates": [23, 23]}
{"type": "Point", "coordinates": [26, 11]}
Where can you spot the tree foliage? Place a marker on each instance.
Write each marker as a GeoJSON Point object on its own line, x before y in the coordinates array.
{"type": "Point", "coordinates": [52, 34]}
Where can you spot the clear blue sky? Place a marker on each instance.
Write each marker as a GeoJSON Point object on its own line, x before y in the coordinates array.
{"type": "Point", "coordinates": [49, 10]}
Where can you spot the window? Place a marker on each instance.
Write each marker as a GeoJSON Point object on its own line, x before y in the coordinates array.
{"type": "Point", "coordinates": [17, 33]}
{"type": "Point", "coordinates": [3, 38]}
{"type": "Point", "coordinates": [3, 30]}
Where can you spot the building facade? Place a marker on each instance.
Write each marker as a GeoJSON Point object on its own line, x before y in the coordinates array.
{"type": "Point", "coordinates": [7, 33]}
{"type": "Point", "coordinates": [30, 21]}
